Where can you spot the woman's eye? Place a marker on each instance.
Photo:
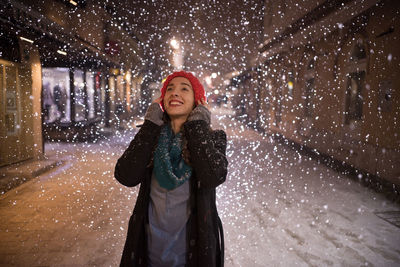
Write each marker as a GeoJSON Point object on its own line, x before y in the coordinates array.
{"type": "Point", "coordinates": [169, 89]}
{"type": "Point", "coordinates": [185, 89]}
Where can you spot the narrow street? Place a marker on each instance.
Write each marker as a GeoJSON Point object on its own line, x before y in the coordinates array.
{"type": "Point", "coordinates": [278, 207]}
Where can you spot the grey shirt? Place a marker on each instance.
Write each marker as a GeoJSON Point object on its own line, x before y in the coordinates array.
{"type": "Point", "coordinates": [169, 212]}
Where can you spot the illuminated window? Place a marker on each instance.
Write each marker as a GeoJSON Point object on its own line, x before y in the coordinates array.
{"type": "Point", "coordinates": [90, 89]}
{"type": "Point", "coordinates": [80, 95]}
{"type": "Point", "coordinates": [56, 95]}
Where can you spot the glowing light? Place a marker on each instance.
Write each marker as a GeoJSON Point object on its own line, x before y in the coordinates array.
{"type": "Point", "coordinates": [128, 77]}
{"type": "Point", "coordinates": [290, 85]}
{"type": "Point", "coordinates": [73, 2]}
{"type": "Point", "coordinates": [174, 43]}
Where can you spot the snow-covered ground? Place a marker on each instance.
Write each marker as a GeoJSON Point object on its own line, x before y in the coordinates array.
{"type": "Point", "coordinates": [278, 208]}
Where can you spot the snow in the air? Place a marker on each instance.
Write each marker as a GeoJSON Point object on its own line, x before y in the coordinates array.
{"type": "Point", "coordinates": [278, 208]}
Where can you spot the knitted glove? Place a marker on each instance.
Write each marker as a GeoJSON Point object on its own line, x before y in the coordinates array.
{"type": "Point", "coordinates": [154, 114]}
{"type": "Point", "coordinates": [200, 112]}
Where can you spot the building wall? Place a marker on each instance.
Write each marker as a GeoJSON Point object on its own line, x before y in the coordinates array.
{"type": "Point", "coordinates": [91, 17]}
{"type": "Point", "coordinates": [279, 14]}
{"type": "Point", "coordinates": [21, 82]}
{"type": "Point", "coordinates": [371, 143]}
{"type": "Point", "coordinates": [13, 138]}
{"type": "Point", "coordinates": [76, 20]}
{"type": "Point", "coordinates": [31, 82]}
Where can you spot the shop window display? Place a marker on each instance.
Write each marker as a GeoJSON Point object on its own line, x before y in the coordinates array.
{"type": "Point", "coordinates": [90, 88]}
{"type": "Point", "coordinates": [56, 95]}
{"type": "Point", "coordinates": [80, 96]}
{"type": "Point", "coordinates": [100, 94]}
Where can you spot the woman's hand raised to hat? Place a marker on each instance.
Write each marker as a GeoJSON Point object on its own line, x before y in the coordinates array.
{"type": "Point", "coordinates": [200, 112]}
{"type": "Point", "coordinates": [154, 112]}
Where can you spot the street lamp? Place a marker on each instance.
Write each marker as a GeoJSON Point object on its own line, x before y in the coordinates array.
{"type": "Point", "coordinates": [177, 57]}
{"type": "Point", "coordinates": [174, 43]}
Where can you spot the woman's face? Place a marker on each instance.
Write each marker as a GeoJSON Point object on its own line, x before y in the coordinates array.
{"type": "Point", "coordinates": [179, 98]}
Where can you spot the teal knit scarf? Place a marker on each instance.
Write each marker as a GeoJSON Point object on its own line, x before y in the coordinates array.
{"type": "Point", "coordinates": [170, 169]}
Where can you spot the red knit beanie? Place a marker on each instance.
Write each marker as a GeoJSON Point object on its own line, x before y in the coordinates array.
{"type": "Point", "coordinates": [198, 88]}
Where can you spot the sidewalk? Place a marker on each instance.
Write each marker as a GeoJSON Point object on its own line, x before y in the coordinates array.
{"type": "Point", "coordinates": [16, 174]}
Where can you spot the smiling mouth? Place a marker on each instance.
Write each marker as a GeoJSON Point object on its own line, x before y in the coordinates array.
{"type": "Point", "coordinates": [174, 103]}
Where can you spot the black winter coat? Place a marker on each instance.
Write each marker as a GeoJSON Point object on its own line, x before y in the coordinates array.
{"type": "Point", "coordinates": [204, 230]}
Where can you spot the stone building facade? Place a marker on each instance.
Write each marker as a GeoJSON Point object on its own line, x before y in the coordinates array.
{"type": "Point", "coordinates": [328, 79]}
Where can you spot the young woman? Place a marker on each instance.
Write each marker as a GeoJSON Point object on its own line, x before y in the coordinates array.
{"type": "Point", "coordinates": [178, 160]}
